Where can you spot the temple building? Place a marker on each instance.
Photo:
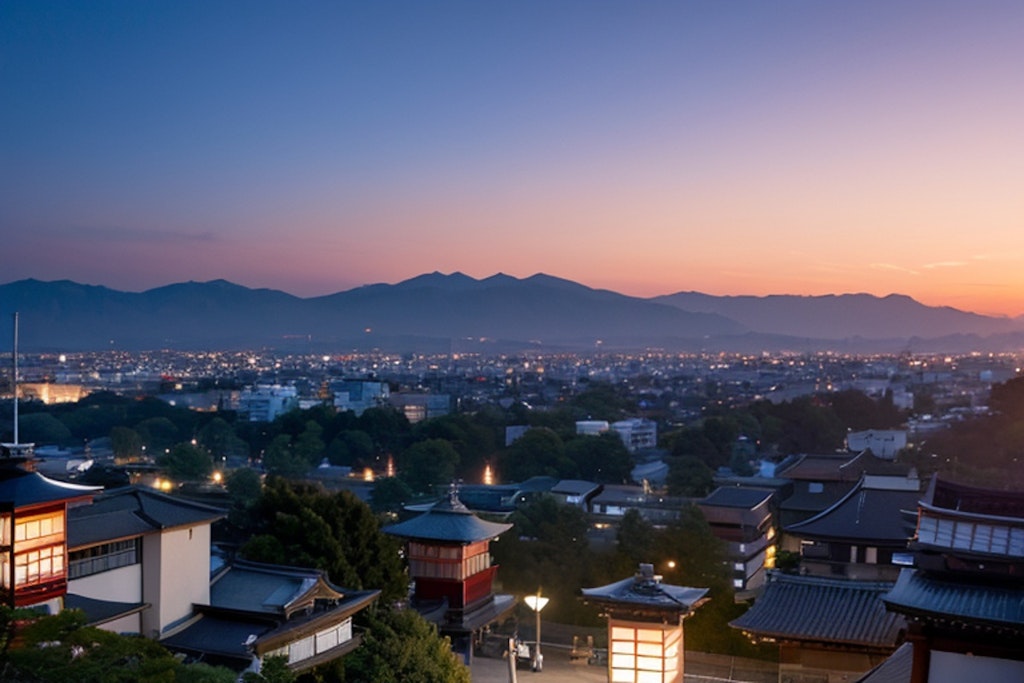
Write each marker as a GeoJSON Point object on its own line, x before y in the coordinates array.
{"type": "Point", "coordinates": [828, 630]}
{"type": "Point", "coordinates": [964, 599]}
{"type": "Point", "coordinates": [448, 548]}
{"type": "Point", "coordinates": [645, 626]}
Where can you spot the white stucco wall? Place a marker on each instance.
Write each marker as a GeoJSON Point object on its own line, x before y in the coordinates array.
{"type": "Point", "coordinates": [176, 575]}
{"type": "Point", "coordinates": [123, 584]}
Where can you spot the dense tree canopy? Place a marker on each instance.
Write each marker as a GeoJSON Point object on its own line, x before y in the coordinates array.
{"type": "Point", "coordinates": [61, 649]}
{"type": "Point", "coordinates": [302, 525]}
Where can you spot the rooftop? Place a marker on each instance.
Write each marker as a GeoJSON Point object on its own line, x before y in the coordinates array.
{"type": "Point", "coordinates": [810, 608]}
{"type": "Point", "coordinates": [449, 520]}
{"type": "Point", "coordinates": [133, 511]}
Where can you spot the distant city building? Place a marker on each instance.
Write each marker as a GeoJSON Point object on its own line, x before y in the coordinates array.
{"type": "Point", "coordinates": [637, 433]}
{"type": "Point", "coordinates": [359, 395]}
{"type": "Point", "coordinates": [419, 407]}
{"type": "Point", "coordinates": [592, 427]}
{"type": "Point", "coordinates": [264, 403]}
{"type": "Point", "coordinates": [884, 443]}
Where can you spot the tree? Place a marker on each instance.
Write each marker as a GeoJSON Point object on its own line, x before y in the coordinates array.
{"type": "Point", "coordinates": [537, 452]}
{"type": "Point", "coordinates": [274, 669]}
{"type": "Point", "coordinates": [603, 458]}
{"type": "Point", "coordinates": [61, 649]}
{"type": "Point", "coordinates": [158, 433]}
{"type": "Point", "coordinates": [188, 462]}
{"type": "Point", "coordinates": [390, 493]}
{"type": "Point", "coordinates": [401, 647]}
{"type": "Point", "coordinates": [350, 447]}
{"type": "Point", "coordinates": [43, 428]}
{"type": "Point", "coordinates": [126, 442]}
{"type": "Point", "coordinates": [302, 525]}
{"type": "Point", "coordinates": [281, 459]}
{"type": "Point", "coordinates": [427, 463]}
{"type": "Point", "coordinates": [689, 476]}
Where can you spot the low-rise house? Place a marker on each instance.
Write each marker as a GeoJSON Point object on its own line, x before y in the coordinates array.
{"type": "Point", "coordinates": [743, 519]}
{"type": "Point", "coordinates": [256, 611]}
{"type": "Point", "coordinates": [862, 536]}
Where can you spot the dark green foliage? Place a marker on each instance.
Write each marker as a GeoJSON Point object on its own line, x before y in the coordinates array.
{"type": "Point", "coordinates": [158, 434]}
{"type": "Point", "coordinates": [220, 439]}
{"type": "Point", "coordinates": [272, 670]}
{"type": "Point", "coordinates": [603, 458]}
{"type": "Point", "coordinates": [187, 462]}
{"type": "Point", "coordinates": [301, 525]}
{"type": "Point", "coordinates": [857, 411]}
{"type": "Point", "coordinates": [350, 447]}
{"type": "Point", "coordinates": [401, 647]}
{"type": "Point", "coordinates": [60, 649]}
{"type": "Point", "coordinates": [689, 476]}
{"type": "Point", "coordinates": [126, 442]}
{"type": "Point", "coordinates": [547, 547]}
{"type": "Point", "coordinates": [43, 428]}
{"type": "Point", "coordinates": [282, 460]}
{"type": "Point", "coordinates": [537, 452]}
{"type": "Point", "coordinates": [428, 463]}
{"type": "Point", "coordinates": [390, 493]}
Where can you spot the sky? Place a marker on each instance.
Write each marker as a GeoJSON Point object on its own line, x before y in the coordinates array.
{"type": "Point", "coordinates": [732, 148]}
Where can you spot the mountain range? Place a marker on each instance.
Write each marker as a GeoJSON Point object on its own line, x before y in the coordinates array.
{"type": "Point", "coordinates": [444, 312]}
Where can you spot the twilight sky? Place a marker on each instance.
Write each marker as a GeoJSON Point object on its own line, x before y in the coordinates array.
{"type": "Point", "coordinates": [785, 147]}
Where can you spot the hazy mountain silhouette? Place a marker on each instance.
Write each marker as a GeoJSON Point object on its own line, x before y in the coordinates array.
{"type": "Point", "coordinates": [842, 316]}
{"type": "Point", "coordinates": [435, 311]}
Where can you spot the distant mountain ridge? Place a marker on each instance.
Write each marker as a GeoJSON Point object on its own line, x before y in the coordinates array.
{"type": "Point", "coordinates": [437, 311]}
{"type": "Point", "coordinates": [842, 316]}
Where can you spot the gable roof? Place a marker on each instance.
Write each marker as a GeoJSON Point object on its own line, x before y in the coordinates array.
{"type": "Point", "coordinates": [270, 589]}
{"type": "Point", "coordinates": [817, 609]}
{"type": "Point", "coordinates": [133, 511]}
{"type": "Point", "coordinates": [883, 516]}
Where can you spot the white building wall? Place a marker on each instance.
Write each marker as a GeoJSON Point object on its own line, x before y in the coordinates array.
{"type": "Point", "coordinates": [176, 575]}
{"type": "Point", "coordinates": [123, 584]}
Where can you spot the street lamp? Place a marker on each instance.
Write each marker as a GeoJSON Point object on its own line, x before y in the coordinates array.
{"type": "Point", "coordinates": [537, 603]}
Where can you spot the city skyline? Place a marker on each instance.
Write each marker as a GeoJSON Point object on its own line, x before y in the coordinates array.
{"type": "Point", "coordinates": [733, 149]}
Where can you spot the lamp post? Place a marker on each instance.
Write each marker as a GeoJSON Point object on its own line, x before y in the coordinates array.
{"type": "Point", "coordinates": [537, 603]}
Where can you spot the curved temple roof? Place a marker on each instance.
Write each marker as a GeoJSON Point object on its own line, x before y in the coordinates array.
{"type": "Point", "coordinates": [449, 520]}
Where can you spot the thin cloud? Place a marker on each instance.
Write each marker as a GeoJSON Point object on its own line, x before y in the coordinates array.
{"type": "Point", "coordinates": [945, 264]}
{"type": "Point", "coordinates": [893, 267]}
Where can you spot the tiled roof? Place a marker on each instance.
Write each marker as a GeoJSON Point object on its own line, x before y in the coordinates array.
{"type": "Point", "coordinates": [19, 488]}
{"type": "Point", "coordinates": [994, 604]}
{"type": "Point", "coordinates": [133, 511]}
{"type": "Point", "coordinates": [826, 467]}
{"type": "Point", "coordinates": [895, 669]}
{"type": "Point", "coordinates": [810, 608]}
{"type": "Point", "coordinates": [737, 497]}
{"type": "Point", "coordinates": [268, 589]}
{"type": "Point", "coordinates": [101, 611]}
{"type": "Point", "coordinates": [645, 592]}
{"type": "Point", "coordinates": [574, 487]}
{"type": "Point", "coordinates": [864, 514]}
{"type": "Point", "coordinates": [448, 520]}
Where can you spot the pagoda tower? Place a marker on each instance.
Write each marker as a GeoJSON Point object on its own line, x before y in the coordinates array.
{"type": "Point", "coordinates": [448, 548]}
